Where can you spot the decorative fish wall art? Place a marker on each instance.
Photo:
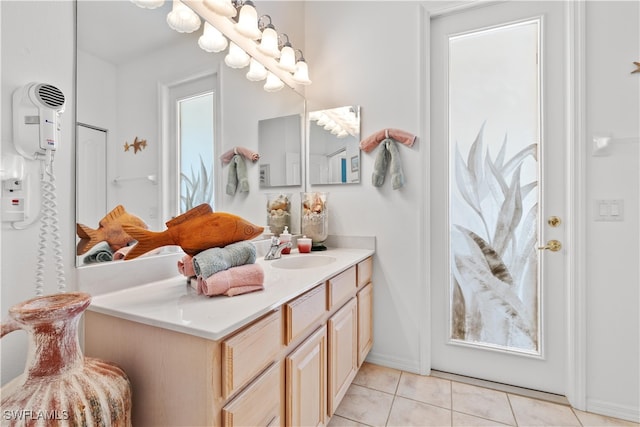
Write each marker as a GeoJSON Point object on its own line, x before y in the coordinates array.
{"type": "Point", "coordinates": [194, 231]}
{"type": "Point", "coordinates": [109, 230]}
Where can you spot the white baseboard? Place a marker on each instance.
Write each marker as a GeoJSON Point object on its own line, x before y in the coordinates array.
{"type": "Point", "coordinates": [609, 409]}
{"type": "Point", "coordinates": [407, 365]}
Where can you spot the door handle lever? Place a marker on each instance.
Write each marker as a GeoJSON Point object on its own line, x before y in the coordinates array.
{"type": "Point", "coordinates": [552, 245]}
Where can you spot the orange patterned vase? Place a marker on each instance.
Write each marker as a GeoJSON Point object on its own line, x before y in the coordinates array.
{"type": "Point", "coordinates": [61, 387]}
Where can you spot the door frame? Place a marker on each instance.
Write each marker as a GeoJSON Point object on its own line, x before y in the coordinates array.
{"type": "Point", "coordinates": [166, 191]}
{"type": "Point", "coordinates": [575, 170]}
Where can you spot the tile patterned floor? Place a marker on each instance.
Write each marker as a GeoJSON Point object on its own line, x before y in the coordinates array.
{"type": "Point", "coordinates": [382, 396]}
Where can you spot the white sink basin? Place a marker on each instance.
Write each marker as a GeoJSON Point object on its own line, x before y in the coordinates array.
{"type": "Point", "coordinates": [302, 261]}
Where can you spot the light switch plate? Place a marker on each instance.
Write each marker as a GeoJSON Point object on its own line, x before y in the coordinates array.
{"type": "Point", "coordinates": [609, 210]}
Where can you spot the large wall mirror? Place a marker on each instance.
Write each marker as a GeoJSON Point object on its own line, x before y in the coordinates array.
{"type": "Point", "coordinates": [134, 76]}
{"type": "Point", "coordinates": [334, 151]}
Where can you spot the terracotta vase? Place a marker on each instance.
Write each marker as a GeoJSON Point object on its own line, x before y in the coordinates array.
{"type": "Point", "coordinates": [59, 385]}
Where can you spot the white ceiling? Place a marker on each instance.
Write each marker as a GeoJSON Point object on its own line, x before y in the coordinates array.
{"type": "Point", "coordinates": [119, 31]}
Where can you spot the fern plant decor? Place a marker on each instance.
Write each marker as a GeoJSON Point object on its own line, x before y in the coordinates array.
{"type": "Point", "coordinates": [494, 263]}
{"type": "Point", "coordinates": [197, 188]}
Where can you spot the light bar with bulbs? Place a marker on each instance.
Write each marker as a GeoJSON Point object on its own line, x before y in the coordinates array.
{"type": "Point", "coordinates": [251, 40]}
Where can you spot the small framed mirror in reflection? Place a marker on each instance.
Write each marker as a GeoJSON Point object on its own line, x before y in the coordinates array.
{"type": "Point", "coordinates": [280, 143]}
{"type": "Point", "coordinates": [334, 152]}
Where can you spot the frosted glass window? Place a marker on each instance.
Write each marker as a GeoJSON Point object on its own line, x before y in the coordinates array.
{"type": "Point", "coordinates": [196, 130]}
{"type": "Point", "coordinates": [494, 134]}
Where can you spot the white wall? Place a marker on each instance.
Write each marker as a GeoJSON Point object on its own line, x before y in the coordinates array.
{"type": "Point", "coordinates": [613, 248]}
{"type": "Point", "coordinates": [37, 45]}
{"type": "Point", "coordinates": [375, 65]}
{"type": "Point", "coordinates": [368, 53]}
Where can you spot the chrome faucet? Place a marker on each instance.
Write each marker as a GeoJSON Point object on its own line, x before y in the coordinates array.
{"type": "Point", "coordinates": [275, 251]}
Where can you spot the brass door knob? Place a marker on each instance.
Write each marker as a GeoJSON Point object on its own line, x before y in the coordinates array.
{"type": "Point", "coordinates": [552, 245]}
{"type": "Point", "coordinates": [554, 221]}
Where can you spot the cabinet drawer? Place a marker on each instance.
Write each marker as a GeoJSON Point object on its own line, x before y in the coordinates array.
{"type": "Point", "coordinates": [341, 287]}
{"type": "Point", "coordinates": [304, 311]}
{"type": "Point", "coordinates": [247, 353]}
{"type": "Point", "coordinates": [259, 404]}
{"type": "Point", "coordinates": [365, 271]}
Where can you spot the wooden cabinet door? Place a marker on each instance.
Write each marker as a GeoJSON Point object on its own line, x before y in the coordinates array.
{"type": "Point", "coordinates": [306, 382]}
{"type": "Point", "coordinates": [343, 352]}
{"type": "Point", "coordinates": [365, 322]}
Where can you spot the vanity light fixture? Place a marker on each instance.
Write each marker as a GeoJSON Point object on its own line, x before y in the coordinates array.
{"type": "Point", "coordinates": [301, 74]}
{"type": "Point", "coordinates": [182, 18]}
{"type": "Point", "coordinates": [254, 41]}
{"type": "Point", "coordinates": [269, 41]}
{"type": "Point", "coordinates": [148, 4]}
{"type": "Point", "coordinates": [273, 83]}
{"type": "Point", "coordinates": [256, 71]}
{"type": "Point", "coordinates": [222, 7]}
{"type": "Point", "coordinates": [247, 24]}
{"type": "Point", "coordinates": [287, 56]}
{"type": "Point", "coordinates": [212, 40]}
{"type": "Point", "coordinates": [236, 58]}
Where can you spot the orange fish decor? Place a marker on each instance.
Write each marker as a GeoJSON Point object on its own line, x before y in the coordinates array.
{"type": "Point", "coordinates": [109, 230]}
{"type": "Point", "coordinates": [194, 231]}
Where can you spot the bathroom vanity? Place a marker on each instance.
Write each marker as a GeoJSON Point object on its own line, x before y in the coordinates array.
{"type": "Point", "coordinates": [282, 356]}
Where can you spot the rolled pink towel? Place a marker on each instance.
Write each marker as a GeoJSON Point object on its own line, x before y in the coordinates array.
{"type": "Point", "coordinates": [369, 143]}
{"type": "Point", "coordinates": [185, 266]}
{"type": "Point", "coordinates": [245, 152]}
{"type": "Point", "coordinates": [122, 252]}
{"type": "Point", "coordinates": [233, 281]}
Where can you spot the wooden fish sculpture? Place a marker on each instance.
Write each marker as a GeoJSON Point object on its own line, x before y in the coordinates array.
{"type": "Point", "coordinates": [109, 230]}
{"type": "Point", "coordinates": [194, 231]}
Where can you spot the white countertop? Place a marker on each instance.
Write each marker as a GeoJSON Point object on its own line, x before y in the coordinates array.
{"type": "Point", "coordinates": [173, 304]}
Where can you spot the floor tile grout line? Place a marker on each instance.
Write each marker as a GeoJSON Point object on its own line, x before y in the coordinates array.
{"type": "Point", "coordinates": [395, 395]}
{"type": "Point", "coordinates": [576, 415]}
{"type": "Point", "coordinates": [451, 401]}
{"type": "Point", "coordinates": [513, 413]}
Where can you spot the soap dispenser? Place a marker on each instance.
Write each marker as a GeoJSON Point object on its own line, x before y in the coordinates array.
{"type": "Point", "coordinates": [267, 234]}
{"type": "Point", "coordinates": [285, 237]}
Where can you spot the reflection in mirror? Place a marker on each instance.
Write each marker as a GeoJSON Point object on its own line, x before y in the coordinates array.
{"type": "Point", "coordinates": [133, 80]}
{"type": "Point", "coordinates": [189, 145]}
{"type": "Point", "coordinates": [334, 153]}
{"type": "Point", "coordinates": [280, 142]}
{"type": "Point", "coordinates": [119, 70]}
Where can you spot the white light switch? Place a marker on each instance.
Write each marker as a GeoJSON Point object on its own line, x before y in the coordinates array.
{"type": "Point", "coordinates": [610, 210]}
{"type": "Point", "coordinates": [603, 208]}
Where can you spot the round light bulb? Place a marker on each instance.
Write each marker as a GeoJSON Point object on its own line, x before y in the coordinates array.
{"type": "Point", "coordinates": [302, 73]}
{"type": "Point", "coordinates": [182, 19]}
{"type": "Point", "coordinates": [236, 58]}
{"type": "Point", "coordinates": [256, 71]}
{"type": "Point", "coordinates": [212, 40]}
{"type": "Point", "coordinates": [247, 24]}
{"type": "Point", "coordinates": [148, 4]}
{"type": "Point", "coordinates": [269, 43]}
{"type": "Point", "coordinates": [287, 59]}
{"type": "Point", "coordinates": [273, 83]}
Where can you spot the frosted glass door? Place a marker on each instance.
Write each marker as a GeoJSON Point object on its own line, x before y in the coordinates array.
{"type": "Point", "coordinates": [498, 144]}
